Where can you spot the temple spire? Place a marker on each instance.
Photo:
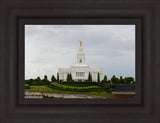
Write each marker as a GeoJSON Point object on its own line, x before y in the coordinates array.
{"type": "Point", "coordinates": [80, 54]}
{"type": "Point", "coordinates": [80, 43]}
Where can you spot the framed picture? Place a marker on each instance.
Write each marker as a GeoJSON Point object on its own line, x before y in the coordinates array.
{"type": "Point", "coordinates": [72, 61]}
{"type": "Point", "coordinates": [110, 47]}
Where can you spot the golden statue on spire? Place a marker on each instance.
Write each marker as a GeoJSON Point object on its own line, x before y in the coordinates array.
{"type": "Point", "coordinates": [80, 43]}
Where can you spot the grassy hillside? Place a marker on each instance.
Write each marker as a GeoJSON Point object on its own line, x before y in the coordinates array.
{"type": "Point", "coordinates": [74, 89]}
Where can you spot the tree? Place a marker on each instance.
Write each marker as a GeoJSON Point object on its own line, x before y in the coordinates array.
{"type": "Point", "coordinates": [98, 77]}
{"type": "Point", "coordinates": [133, 82]}
{"type": "Point", "coordinates": [31, 80]}
{"type": "Point", "coordinates": [70, 77]}
{"type": "Point", "coordinates": [105, 79]}
{"type": "Point", "coordinates": [128, 80]}
{"type": "Point", "coordinates": [57, 77]}
{"type": "Point", "coordinates": [53, 79]}
{"type": "Point", "coordinates": [45, 77]}
{"type": "Point", "coordinates": [89, 77]}
{"type": "Point", "coordinates": [109, 81]}
{"type": "Point", "coordinates": [121, 80]}
{"type": "Point", "coordinates": [114, 79]}
{"type": "Point", "coordinates": [38, 79]}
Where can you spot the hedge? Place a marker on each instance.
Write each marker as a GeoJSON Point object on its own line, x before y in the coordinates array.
{"type": "Point", "coordinates": [82, 84]}
{"type": "Point", "coordinates": [41, 82]}
{"type": "Point", "coordinates": [76, 89]}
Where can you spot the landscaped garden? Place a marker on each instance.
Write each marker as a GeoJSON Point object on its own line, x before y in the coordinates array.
{"type": "Point", "coordinates": [102, 88]}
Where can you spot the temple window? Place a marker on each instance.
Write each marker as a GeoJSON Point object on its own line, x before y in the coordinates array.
{"type": "Point", "coordinates": [80, 60]}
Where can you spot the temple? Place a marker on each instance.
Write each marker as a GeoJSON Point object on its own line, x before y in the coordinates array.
{"type": "Point", "coordinates": [80, 70]}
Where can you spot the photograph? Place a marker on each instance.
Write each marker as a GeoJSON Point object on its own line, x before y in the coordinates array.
{"type": "Point", "coordinates": [80, 61]}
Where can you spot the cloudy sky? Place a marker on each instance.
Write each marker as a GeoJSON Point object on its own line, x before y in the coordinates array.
{"type": "Point", "coordinates": [49, 47]}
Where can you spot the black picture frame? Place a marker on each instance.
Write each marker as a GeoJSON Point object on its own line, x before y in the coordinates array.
{"type": "Point", "coordinates": [144, 13]}
{"type": "Point", "coordinates": [132, 21]}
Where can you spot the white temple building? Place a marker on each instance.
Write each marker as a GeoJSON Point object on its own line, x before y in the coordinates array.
{"type": "Point", "coordinates": [80, 70]}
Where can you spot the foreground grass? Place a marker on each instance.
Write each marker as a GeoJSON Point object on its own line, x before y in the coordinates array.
{"type": "Point", "coordinates": [72, 87]}
{"type": "Point", "coordinates": [46, 89]}
{"type": "Point", "coordinates": [58, 86]}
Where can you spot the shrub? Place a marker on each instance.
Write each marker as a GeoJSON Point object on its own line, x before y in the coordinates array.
{"type": "Point", "coordinates": [27, 86]}
{"type": "Point", "coordinates": [37, 82]}
{"type": "Point", "coordinates": [47, 96]}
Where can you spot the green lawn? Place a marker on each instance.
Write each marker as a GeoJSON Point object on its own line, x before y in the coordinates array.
{"type": "Point", "coordinates": [74, 88]}
{"type": "Point", "coordinates": [43, 88]}
{"type": "Point", "coordinates": [47, 89]}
